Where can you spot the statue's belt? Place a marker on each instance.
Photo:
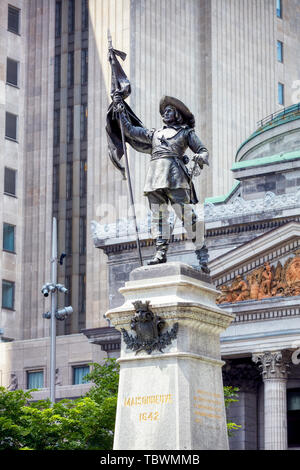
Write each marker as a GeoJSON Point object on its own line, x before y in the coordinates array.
{"type": "Point", "coordinates": [169, 155]}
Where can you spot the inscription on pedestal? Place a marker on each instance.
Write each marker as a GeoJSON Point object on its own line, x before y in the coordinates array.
{"type": "Point", "coordinates": [207, 405]}
{"type": "Point", "coordinates": [152, 414]}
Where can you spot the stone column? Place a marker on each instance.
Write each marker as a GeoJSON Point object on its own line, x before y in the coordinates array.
{"type": "Point", "coordinates": [274, 367]}
{"type": "Point", "coordinates": [170, 398]}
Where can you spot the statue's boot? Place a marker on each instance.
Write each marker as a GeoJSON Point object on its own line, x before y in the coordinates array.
{"type": "Point", "coordinates": [160, 254]}
{"type": "Point", "coordinates": [202, 255]}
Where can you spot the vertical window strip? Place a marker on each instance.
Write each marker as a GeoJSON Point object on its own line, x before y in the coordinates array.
{"type": "Point", "coordinates": [68, 236]}
{"type": "Point", "coordinates": [81, 292]}
{"type": "Point", "coordinates": [57, 67]}
{"type": "Point", "coordinates": [84, 15]}
{"type": "Point", "coordinates": [71, 16]}
{"type": "Point", "coordinates": [82, 235]}
{"type": "Point", "coordinates": [70, 122]}
{"type": "Point", "coordinates": [70, 69]}
{"type": "Point", "coordinates": [83, 122]}
{"type": "Point", "coordinates": [58, 18]}
{"type": "Point", "coordinates": [56, 128]}
{"type": "Point", "coordinates": [83, 178]}
{"type": "Point", "coordinates": [69, 181]}
{"type": "Point", "coordinates": [55, 185]}
{"type": "Point", "coordinates": [84, 66]}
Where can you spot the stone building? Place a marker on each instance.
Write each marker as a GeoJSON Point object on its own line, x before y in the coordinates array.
{"type": "Point", "coordinates": [232, 62]}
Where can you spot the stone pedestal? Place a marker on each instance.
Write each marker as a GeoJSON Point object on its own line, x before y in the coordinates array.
{"type": "Point", "coordinates": [172, 399]}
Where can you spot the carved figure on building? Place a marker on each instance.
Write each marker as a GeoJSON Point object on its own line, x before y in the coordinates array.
{"type": "Point", "coordinates": [265, 282]}
{"type": "Point", "coordinates": [13, 382]}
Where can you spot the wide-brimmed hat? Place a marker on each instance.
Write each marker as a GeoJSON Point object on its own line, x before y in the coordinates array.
{"type": "Point", "coordinates": [186, 114]}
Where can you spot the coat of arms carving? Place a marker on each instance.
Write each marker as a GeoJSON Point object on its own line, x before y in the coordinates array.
{"type": "Point", "coordinates": [148, 328]}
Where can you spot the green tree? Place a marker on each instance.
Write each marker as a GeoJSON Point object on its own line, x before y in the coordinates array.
{"type": "Point", "coordinates": [230, 396]}
{"type": "Point", "coordinates": [86, 423]}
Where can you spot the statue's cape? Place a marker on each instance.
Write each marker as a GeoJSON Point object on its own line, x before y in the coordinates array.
{"type": "Point", "coordinates": [114, 138]}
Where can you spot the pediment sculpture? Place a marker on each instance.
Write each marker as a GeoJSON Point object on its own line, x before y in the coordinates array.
{"type": "Point", "coordinates": [265, 282]}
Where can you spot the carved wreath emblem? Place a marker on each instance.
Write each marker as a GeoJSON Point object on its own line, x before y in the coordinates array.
{"type": "Point", "coordinates": [148, 328]}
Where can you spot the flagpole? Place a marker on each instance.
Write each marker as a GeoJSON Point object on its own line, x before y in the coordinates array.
{"type": "Point", "coordinates": [127, 170]}
{"type": "Point", "coordinates": [129, 185]}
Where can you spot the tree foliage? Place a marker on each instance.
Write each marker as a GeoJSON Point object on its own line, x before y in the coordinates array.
{"type": "Point", "coordinates": [230, 396]}
{"type": "Point", "coordinates": [84, 424]}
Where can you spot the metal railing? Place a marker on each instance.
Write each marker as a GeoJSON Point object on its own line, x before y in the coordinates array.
{"type": "Point", "coordinates": [282, 113]}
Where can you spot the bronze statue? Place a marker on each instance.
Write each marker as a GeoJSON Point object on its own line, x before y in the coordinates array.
{"type": "Point", "coordinates": [168, 180]}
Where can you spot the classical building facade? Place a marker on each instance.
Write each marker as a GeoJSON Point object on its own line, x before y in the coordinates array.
{"type": "Point", "coordinates": [232, 62]}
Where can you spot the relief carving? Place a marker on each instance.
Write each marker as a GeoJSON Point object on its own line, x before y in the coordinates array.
{"type": "Point", "coordinates": [265, 282]}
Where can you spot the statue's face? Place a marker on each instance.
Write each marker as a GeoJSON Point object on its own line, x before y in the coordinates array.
{"type": "Point", "coordinates": [169, 115]}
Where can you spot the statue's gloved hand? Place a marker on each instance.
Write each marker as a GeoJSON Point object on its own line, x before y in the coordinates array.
{"type": "Point", "coordinates": [201, 158]}
{"type": "Point", "coordinates": [118, 101]}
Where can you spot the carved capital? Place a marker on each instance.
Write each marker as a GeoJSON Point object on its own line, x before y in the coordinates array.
{"type": "Point", "coordinates": [273, 364]}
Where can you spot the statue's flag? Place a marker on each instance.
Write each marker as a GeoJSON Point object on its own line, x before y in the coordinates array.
{"type": "Point", "coordinates": [121, 84]}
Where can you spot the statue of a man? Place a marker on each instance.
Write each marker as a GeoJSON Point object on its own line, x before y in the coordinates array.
{"type": "Point", "coordinates": [168, 181]}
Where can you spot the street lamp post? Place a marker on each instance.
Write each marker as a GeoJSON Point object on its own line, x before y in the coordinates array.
{"type": "Point", "coordinates": [52, 289]}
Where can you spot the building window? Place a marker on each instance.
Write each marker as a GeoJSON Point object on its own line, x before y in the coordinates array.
{"type": "Point", "coordinates": [279, 51]}
{"type": "Point", "coordinates": [70, 121]}
{"type": "Point", "coordinates": [71, 16]}
{"type": "Point", "coordinates": [12, 69]}
{"type": "Point", "coordinates": [57, 72]}
{"type": "Point", "coordinates": [58, 19]}
{"type": "Point", "coordinates": [83, 121]}
{"type": "Point", "coordinates": [11, 121]}
{"type": "Point", "coordinates": [10, 181]}
{"type": "Point", "coordinates": [13, 19]}
{"type": "Point", "coordinates": [70, 69]}
{"type": "Point", "coordinates": [293, 417]}
{"type": "Point", "coordinates": [35, 379]}
{"type": "Point", "coordinates": [8, 294]}
{"type": "Point", "coordinates": [78, 374]}
{"type": "Point", "coordinates": [56, 127]}
{"type": "Point", "coordinates": [82, 235]}
{"type": "Point", "coordinates": [85, 14]}
{"type": "Point", "coordinates": [83, 178]}
{"type": "Point", "coordinates": [280, 93]}
{"type": "Point", "coordinates": [69, 181]}
{"type": "Point", "coordinates": [279, 8]}
{"type": "Point", "coordinates": [68, 236]}
{"type": "Point", "coordinates": [9, 237]}
{"type": "Point", "coordinates": [84, 66]}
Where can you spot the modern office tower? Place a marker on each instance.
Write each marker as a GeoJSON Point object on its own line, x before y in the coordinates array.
{"type": "Point", "coordinates": [232, 62]}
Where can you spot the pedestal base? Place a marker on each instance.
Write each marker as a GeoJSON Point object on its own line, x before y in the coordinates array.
{"type": "Point", "coordinates": [172, 400]}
